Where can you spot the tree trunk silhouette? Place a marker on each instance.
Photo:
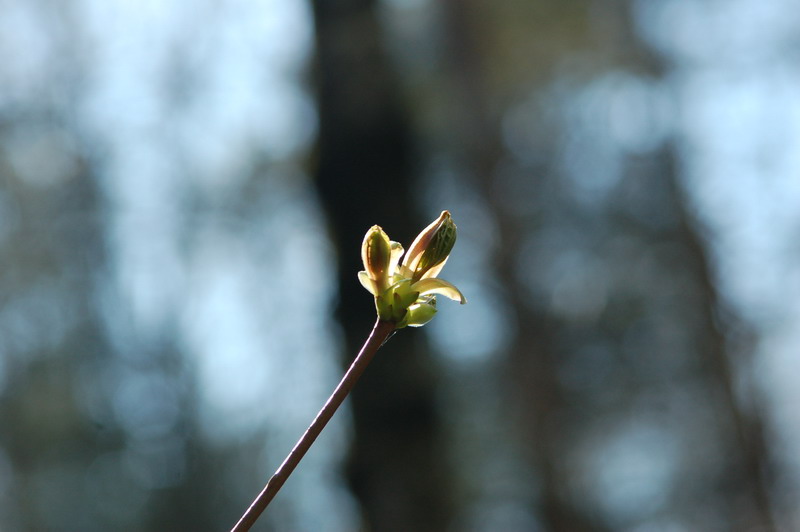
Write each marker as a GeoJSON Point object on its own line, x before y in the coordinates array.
{"type": "Point", "coordinates": [364, 177]}
{"type": "Point", "coordinates": [545, 414]}
{"type": "Point", "coordinates": [529, 366]}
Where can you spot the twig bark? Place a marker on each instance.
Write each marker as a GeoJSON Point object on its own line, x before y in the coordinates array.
{"type": "Point", "coordinates": [380, 333]}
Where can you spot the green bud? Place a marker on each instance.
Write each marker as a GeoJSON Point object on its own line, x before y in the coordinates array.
{"type": "Point", "coordinates": [406, 294]}
{"type": "Point", "coordinates": [419, 314]}
{"type": "Point", "coordinates": [376, 253]}
{"type": "Point", "coordinates": [430, 249]}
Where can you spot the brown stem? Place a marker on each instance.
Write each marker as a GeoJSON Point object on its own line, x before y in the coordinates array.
{"type": "Point", "coordinates": [380, 333]}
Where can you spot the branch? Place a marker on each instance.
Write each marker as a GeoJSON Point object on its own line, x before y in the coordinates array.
{"type": "Point", "coordinates": [380, 333]}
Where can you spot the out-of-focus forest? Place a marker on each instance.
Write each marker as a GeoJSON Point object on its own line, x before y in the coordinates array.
{"type": "Point", "coordinates": [184, 187]}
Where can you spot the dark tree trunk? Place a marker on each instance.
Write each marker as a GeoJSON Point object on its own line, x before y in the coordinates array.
{"type": "Point", "coordinates": [544, 411]}
{"type": "Point", "coordinates": [530, 368]}
{"type": "Point", "coordinates": [364, 178]}
{"type": "Point", "coordinates": [748, 479]}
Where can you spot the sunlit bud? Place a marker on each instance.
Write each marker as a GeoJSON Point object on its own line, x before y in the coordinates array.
{"type": "Point", "coordinates": [430, 249]}
{"type": "Point", "coordinates": [420, 314]}
{"type": "Point", "coordinates": [376, 252]}
{"type": "Point", "coordinates": [405, 294]}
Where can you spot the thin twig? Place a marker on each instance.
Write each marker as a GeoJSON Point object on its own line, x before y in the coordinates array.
{"type": "Point", "coordinates": [380, 333]}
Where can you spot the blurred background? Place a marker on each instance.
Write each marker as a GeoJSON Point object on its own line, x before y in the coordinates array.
{"type": "Point", "coordinates": [184, 186]}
